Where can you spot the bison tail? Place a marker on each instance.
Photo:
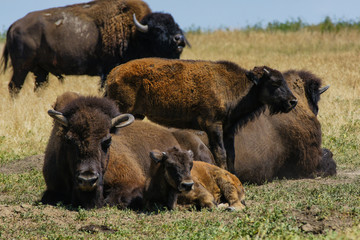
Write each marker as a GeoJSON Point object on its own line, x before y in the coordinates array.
{"type": "Point", "coordinates": [5, 59]}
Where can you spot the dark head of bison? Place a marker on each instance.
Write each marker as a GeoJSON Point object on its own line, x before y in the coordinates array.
{"type": "Point", "coordinates": [85, 141]}
{"type": "Point", "coordinates": [274, 91]}
{"type": "Point", "coordinates": [177, 167]}
{"type": "Point", "coordinates": [160, 35]}
{"type": "Point", "coordinates": [312, 89]}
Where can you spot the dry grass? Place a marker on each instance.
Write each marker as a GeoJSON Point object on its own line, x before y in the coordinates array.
{"type": "Point", "coordinates": [320, 209]}
{"type": "Point", "coordinates": [25, 126]}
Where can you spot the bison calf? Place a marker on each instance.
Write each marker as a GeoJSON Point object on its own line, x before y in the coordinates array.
{"type": "Point", "coordinates": [217, 97]}
{"type": "Point", "coordinates": [169, 176]}
{"type": "Point", "coordinates": [213, 185]}
{"type": "Point", "coordinates": [171, 182]}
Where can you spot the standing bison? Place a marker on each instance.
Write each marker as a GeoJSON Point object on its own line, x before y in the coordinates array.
{"type": "Point", "coordinates": [217, 97]}
{"type": "Point", "coordinates": [89, 38]}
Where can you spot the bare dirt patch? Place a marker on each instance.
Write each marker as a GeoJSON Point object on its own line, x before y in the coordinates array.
{"type": "Point", "coordinates": [27, 164]}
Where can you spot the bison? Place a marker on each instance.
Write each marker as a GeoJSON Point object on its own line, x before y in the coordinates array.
{"type": "Point", "coordinates": [89, 162]}
{"type": "Point", "coordinates": [286, 145]}
{"type": "Point", "coordinates": [176, 178]}
{"type": "Point", "coordinates": [77, 154]}
{"type": "Point", "coordinates": [213, 185]}
{"type": "Point", "coordinates": [87, 39]}
{"type": "Point", "coordinates": [169, 176]}
{"type": "Point", "coordinates": [217, 97]}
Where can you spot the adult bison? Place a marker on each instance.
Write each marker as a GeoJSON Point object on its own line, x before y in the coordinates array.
{"type": "Point", "coordinates": [88, 38]}
{"type": "Point", "coordinates": [286, 145]}
{"type": "Point", "coordinates": [77, 153]}
{"type": "Point", "coordinates": [89, 162]}
{"type": "Point", "coordinates": [217, 97]}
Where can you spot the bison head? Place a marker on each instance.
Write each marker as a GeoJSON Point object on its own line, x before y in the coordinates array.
{"type": "Point", "coordinates": [85, 140]}
{"type": "Point", "coordinates": [160, 36]}
{"type": "Point", "coordinates": [177, 165]}
{"type": "Point", "coordinates": [273, 89]}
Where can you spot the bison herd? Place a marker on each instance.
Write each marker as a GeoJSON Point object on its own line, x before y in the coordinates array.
{"type": "Point", "coordinates": [210, 124]}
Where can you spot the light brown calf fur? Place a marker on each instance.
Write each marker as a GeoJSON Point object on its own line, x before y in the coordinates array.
{"type": "Point", "coordinates": [212, 186]}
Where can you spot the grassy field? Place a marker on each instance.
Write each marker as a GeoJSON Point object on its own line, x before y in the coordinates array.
{"type": "Point", "coordinates": [324, 208]}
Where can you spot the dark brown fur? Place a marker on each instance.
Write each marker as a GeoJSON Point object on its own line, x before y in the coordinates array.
{"type": "Point", "coordinates": [103, 35]}
{"type": "Point", "coordinates": [285, 145]}
{"type": "Point", "coordinates": [78, 150]}
{"type": "Point", "coordinates": [191, 141]}
{"type": "Point", "coordinates": [169, 176]}
{"type": "Point", "coordinates": [213, 185]}
{"type": "Point", "coordinates": [124, 166]}
{"type": "Point", "coordinates": [217, 97]}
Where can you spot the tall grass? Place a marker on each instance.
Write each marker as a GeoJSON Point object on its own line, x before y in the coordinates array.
{"type": "Point", "coordinates": [273, 209]}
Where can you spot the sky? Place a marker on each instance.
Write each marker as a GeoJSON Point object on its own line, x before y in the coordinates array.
{"type": "Point", "coordinates": [213, 14]}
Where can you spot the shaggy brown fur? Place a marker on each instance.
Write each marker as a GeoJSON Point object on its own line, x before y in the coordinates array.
{"type": "Point", "coordinates": [217, 97]}
{"type": "Point", "coordinates": [213, 185]}
{"type": "Point", "coordinates": [76, 156]}
{"type": "Point", "coordinates": [109, 16]}
{"type": "Point", "coordinates": [122, 166]}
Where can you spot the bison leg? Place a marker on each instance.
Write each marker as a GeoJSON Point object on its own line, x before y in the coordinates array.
{"type": "Point", "coordinates": [233, 194]}
{"type": "Point", "coordinates": [216, 143]}
{"type": "Point", "coordinates": [17, 81]}
{"type": "Point", "coordinates": [41, 77]}
{"type": "Point", "coordinates": [54, 197]}
{"type": "Point", "coordinates": [199, 196]}
{"type": "Point", "coordinates": [230, 151]}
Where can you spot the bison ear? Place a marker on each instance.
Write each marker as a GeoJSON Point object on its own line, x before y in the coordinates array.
{"type": "Point", "coordinates": [59, 117]}
{"type": "Point", "coordinates": [158, 156]}
{"type": "Point", "coordinates": [252, 77]}
{"type": "Point", "coordinates": [122, 120]}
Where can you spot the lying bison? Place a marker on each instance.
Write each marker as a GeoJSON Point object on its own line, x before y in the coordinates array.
{"type": "Point", "coordinates": [88, 38]}
{"type": "Point", "coordinates": [213, 186]}
{"type": "Point", "coordinates": [197, 183]}
{"type": "Point", "coordinates": [90, 162]}
{"type": "Point", "coordinates": [286, 145]}
{"type": "Point", "coordinates": [77, 154]}
{"type": "Point", "coordinates": [170, 174]}
{"type": "Point", "coordinates": [217, 97]}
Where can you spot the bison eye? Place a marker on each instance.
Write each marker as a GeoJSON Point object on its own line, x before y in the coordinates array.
{"type": "Point", "coordinates": [105, 144]}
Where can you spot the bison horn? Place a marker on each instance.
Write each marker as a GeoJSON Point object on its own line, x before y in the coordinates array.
{"type": "Point", "coordinates": [122, 120]}
{"type": "Point", "coordinates": [139, 26]}
{"type": "Point", "coordinates": [267, 71]}
{"type": "Point", "coordinates": [323, 89]}
{"type": "Point", "coordinates": [59, 117]}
